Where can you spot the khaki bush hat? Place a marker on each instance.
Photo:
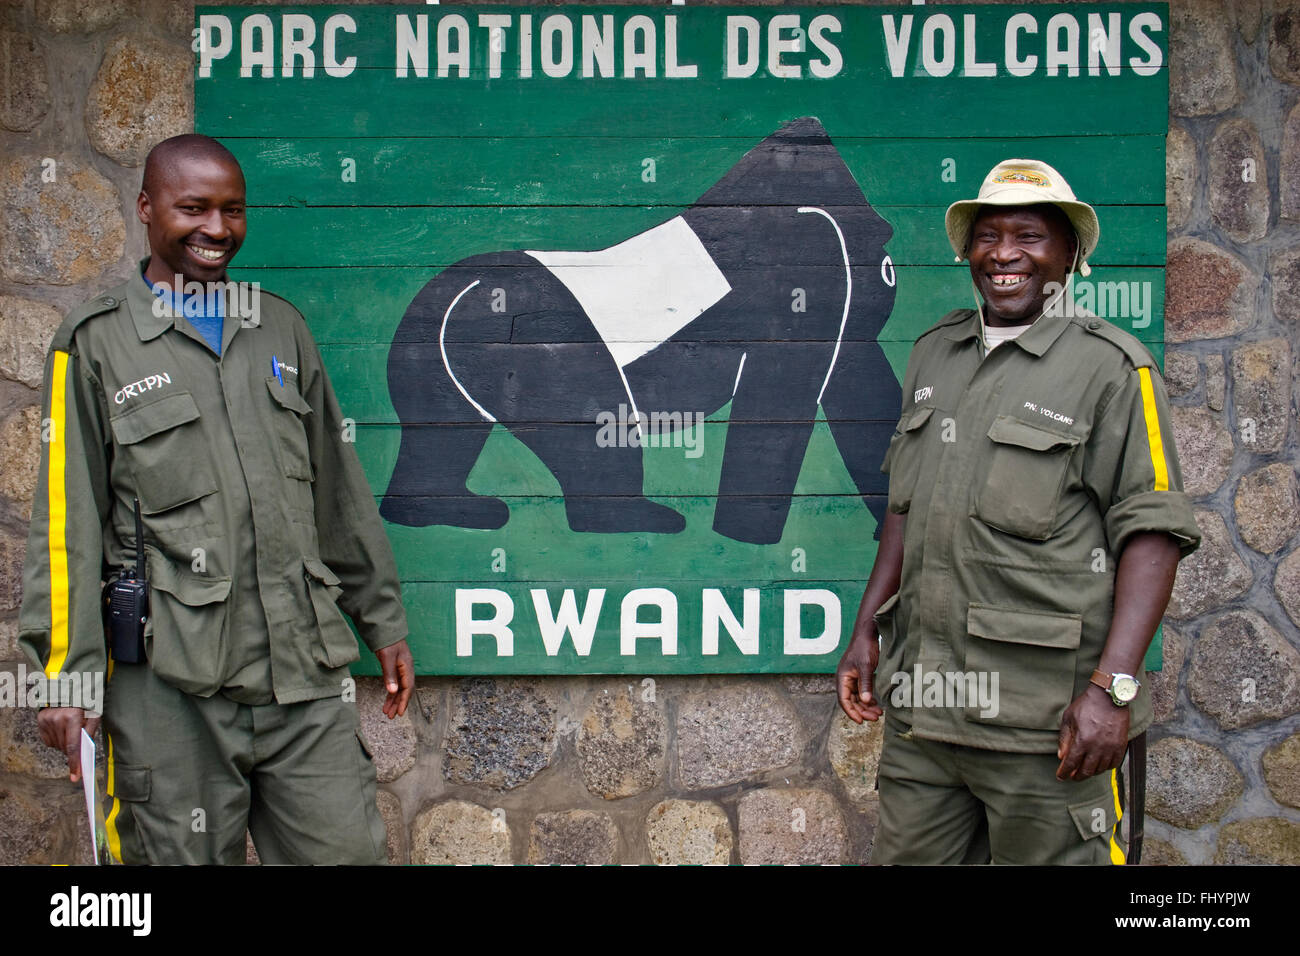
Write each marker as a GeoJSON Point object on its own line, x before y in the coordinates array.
{"type": "Point", "coordinates": [1023, 182]}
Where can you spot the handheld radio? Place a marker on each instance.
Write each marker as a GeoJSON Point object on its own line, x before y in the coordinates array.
{"type": "Point", "coordinates": [127, 604]}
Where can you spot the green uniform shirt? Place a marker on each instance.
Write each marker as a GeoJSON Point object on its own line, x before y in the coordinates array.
{"type": "Point", "coordinates": [257, 516]}
{"type": "Point", "coordinates": [1021, 474]}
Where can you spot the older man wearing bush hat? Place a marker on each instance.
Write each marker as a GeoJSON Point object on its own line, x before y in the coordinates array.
{"type": "Point", "coordinates": [1036, 518]}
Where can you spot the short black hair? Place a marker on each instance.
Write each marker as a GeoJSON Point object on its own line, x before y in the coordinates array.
{"type": "Point", "coordinates": [164, 158]}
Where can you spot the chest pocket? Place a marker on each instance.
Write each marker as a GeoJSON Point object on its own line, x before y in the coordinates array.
{"type": "Point", "coordinates": [295, 457]}
{"type": "Point", "coordinates": [903, 460]}
{"type": "Point", "coordinates": [162, 444]}
{"type": "Point", "coordinates": [1028, 469]}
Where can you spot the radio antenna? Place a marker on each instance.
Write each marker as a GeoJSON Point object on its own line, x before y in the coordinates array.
{"type": "Point", "coordinates": [139, 542]}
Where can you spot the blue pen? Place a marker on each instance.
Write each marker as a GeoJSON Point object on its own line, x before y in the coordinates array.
{"type": "Point", "coordinates": [275, 367]}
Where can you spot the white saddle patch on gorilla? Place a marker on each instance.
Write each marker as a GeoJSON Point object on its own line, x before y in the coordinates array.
{"type": "Point", "coordinates": [641, 292]}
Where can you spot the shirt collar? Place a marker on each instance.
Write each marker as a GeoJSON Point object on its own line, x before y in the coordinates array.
{"type": "Point", "coordinates": [149, 324]}
{"type": "Point", "coordinates": [1038, 338]}
{"type": "Point", "coordinates": [152, 318]}
{"type": "Point", "coordinates": [969, 328]}
{"type": "Point", "coordinates": [1035, 340]}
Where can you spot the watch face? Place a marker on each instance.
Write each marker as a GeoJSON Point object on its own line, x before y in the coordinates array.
{"type": "Point", "coordinates": [1125, 687]}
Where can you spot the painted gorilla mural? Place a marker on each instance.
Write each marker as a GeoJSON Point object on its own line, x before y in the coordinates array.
{"type": "Point", "coordinates": [696, 312]}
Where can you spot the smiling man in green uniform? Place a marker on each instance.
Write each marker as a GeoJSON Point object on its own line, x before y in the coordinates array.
{"type": "Point", "coordinates": [212, 409]}
{"type": "Point", "coordinates": [1035, 522]}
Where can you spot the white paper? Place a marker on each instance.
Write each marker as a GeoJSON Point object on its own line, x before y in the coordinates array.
{"type": "Point", "coordinates": [88, 784]}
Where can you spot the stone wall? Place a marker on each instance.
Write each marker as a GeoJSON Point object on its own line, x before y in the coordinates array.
{"type": "Point", "coordinates": [719, 769]}
{"type": "Point", "coordinates": [1225, 757]}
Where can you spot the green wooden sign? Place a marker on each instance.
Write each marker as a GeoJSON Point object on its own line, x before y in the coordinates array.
{"type": "Point", "coordinates": [619, 297]}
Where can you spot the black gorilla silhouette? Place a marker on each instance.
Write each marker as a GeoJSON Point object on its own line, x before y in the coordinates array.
{"type": "Point", "coordinates": [687, 316]}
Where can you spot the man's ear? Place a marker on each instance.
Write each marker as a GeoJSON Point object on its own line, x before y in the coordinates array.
{"type": "Point", "coordinates": [143, 208]}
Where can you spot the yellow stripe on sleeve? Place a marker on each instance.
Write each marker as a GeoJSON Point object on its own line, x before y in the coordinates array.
{"type": "Point", "coordinates": [1116, 854]}
{"type": "Point", "coordinates": [110, 822]}
{"type": "Point", "coordinates": [58, 511]}
{"type": "Point", "coordinates": [1153, 431]}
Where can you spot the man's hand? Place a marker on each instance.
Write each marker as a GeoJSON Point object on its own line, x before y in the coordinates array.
{"type": "Point", "coordinates": [1094, 734]}
{"type": "Point", "coordinates": [855, 677]}
{"type": "Point", "coordinates": [399, 677]}
{"type": "Point", "coordinates": [60, 727]}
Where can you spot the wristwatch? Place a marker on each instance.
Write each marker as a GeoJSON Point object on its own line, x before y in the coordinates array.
{"type": "Point", "coordinates": [1121, 687]}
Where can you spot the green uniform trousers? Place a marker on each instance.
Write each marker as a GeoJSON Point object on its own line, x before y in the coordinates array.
{"type": "Point", "coordinates": [186, 776]}
{"type": "Point", "coordinates": [945, 803]}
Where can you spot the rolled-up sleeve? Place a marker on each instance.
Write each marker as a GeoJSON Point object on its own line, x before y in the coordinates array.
{"type": "Point", "coordinates": [1132, 465]}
